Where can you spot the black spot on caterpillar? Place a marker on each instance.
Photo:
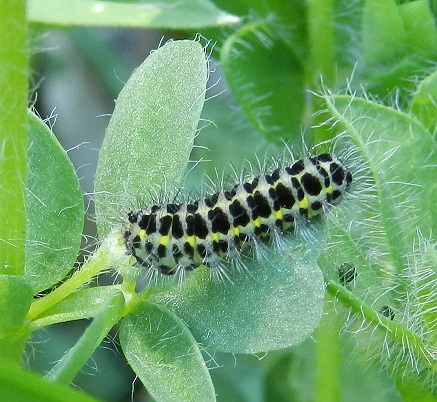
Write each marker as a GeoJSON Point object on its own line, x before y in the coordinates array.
{"type": "Point", "coordinates": [215, 230]}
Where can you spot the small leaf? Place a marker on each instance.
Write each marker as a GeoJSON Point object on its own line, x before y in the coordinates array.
{"type": "Point", "coordinates": [277, 303]}
{"type": "Point", "coordinates": [55, 209]}
{"type": "Point", "coordinates": [172, 14]}
{"type": "Point", "coordinates": [151, 132]}
{"type": "Point", "coordinates": [165, 356]}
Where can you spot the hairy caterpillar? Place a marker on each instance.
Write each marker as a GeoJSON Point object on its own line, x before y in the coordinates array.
{"type": "Point", "coordinates": [214, 230]}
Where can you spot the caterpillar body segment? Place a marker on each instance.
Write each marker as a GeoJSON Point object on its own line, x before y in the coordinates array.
{"type": "Point", "coordinates": [215, 230]}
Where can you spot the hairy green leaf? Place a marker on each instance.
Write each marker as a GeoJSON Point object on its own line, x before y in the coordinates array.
{"type": "Point", "coordinates": [55, 210]}
{"type": "Point", "coordinates": [276, 303]}
{"type": "Point", "coordinates": [151, 132]}
{"type": "Point", "coordinates": [165, 356]}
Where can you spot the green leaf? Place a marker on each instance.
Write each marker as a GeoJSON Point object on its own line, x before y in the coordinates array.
{"type": "Point", "coordinates": [277, 303]}
{"type": "Point", "coordinates": [394, 171]}
{"type": "Point", "coordinates": [383, 32]}
{"type": "Point", "coordinates": [21, 385]}
{"type": "Point", "coordinates": [13, 139]}
{"type": "Point", "coordinates": [401, 157]}
{"type": "Point", "coordinates": [55, 209]}
{"type": "Point", "coordinates": [399, 43]}
{"type": "Point", "coordinates": [424, 102]}
{"type": "Point", "coordinates": [171, 14]}
{"type": "Point", "coordinates": [15, 298]}
{"type": "Point", "coordinates": [72, 362]}
{"type": "Point", "coordinates": [420, 28]}
{"type": "Point", "coordinates": [152, 129]}
{"type": "Point", "coordinates": [394, 163]}
{"type": "Point", "coordinates": [84, 303]}
{"type": "Point", "coordinates": [237, 378]}
{"type": "Point", "coordinates": [165, 356]}
{"type": "Point", "coordinates": [267, 79]}
{"type": "Point", "coordinates": [422, 286]}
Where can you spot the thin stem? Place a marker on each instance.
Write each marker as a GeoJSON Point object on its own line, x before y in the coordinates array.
{"type": "Point", "coordinates": [72, 362]}
{"type": "Point", "coordinates": [109, 254]}
{"type": "Point", "coordinates": [392, 329]}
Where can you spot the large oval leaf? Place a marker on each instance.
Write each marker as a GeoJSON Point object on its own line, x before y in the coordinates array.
{"type": "Point", "coordinates": [151, 132]}
{"type": "Point", "coordinates": [165, 356]}
{"type": "Point", "coordinates": [277, 303]}
{"type": "Point", "coordinates": [54, 209]}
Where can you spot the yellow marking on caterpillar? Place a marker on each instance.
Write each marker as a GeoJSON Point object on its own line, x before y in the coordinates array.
{"type": "Point", "coordinates": [164, 240]}
{"type": "Point", "coordinates": [304, 203]}
{"type": "Point", "coordinates": [237, 231]}
{"type": "Point", "coordinates": [329, 190]}
{"type": "Point", "coordinates": [191, 241]}
{"type": "Point", "coordinates": [216, 237]}
{"type": "Point", "coordinates": [257, 222]}
{"type": "Point", "coordinates": [142, 234]}
{"type": "Point", "coordinates": [279, 215]}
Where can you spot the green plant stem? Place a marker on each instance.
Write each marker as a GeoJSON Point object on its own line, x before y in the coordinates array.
{"type": "Point", "coordinates": [321, 41]}
{"type": "Point", "coordinates": [73, 361]}
{"type": "Point", "coordinates": [392, 329]}
{"type": "Point", "coordinates": [13, 134]}
{"type": "Point", "coordinates": [98, 262]}
{"type": "Point", "coordinates": [328, 355]}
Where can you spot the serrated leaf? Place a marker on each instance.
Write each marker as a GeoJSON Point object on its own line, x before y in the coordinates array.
{"type": "Point", "coordinates": [171, 14]}
{"type": "Point", "coordinates": [55, 210]}
{"type": "Point", "coordinates": [275, 304]}
{"type": "Point", "coordinates": [151, 132]}
{"type": "Point", "coordinates": [267, 79]}
{"type": "Point", "coordinates": [165, 356]}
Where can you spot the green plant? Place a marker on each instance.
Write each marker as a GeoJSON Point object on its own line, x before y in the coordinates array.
{"type": "Point", "coordinates": [270, 55]}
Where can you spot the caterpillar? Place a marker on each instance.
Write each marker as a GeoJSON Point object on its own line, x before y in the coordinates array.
{"type": "Point", "coordinates": [215, 230]}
